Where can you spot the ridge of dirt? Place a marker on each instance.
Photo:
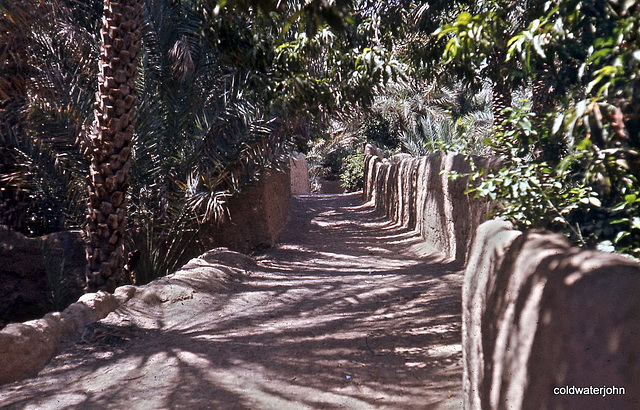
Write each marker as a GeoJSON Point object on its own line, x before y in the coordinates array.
{"type": "Point", "coordinates": [347, 311]}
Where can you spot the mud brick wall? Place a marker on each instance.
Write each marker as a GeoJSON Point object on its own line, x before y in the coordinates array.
{"type": "Point", "coordinates": [256, 216]}
{"type": "Point", "coordinates": [25, 348]}
{"type": "Point", "coordinates": [539, 316]}
{"type": "Point", "coordinates": [299, 169]}
{"type": "Point", "coordinates": [29, 267]}
{"type": "Point", "coordinates": [418, 194]}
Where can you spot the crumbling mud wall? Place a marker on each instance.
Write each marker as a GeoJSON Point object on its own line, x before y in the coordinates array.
{"type": "Point", "coordinates": [418, 194]}
{"type": "Point", "coordinates": [38, 275]}
{"type": "Point", "coordinates": [255, 219]}
{"type": "Point", "coordinates": [299, 168]}
{"type": "Point", "coordinates": [545, 325]}
{"type": "Point", "coordinates": [330, 187]}
{"type": "Point", "coordinates": [25, 348]}
{"type": "Point", "coordinates": [256, 216]}
{"type": "Point", "coordinates": [542, 319]}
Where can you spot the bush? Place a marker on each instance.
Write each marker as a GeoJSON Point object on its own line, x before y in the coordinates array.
{"type": "Point", "coordinates": [352, 175]}
{"type": "Point", "coordinates": [559, 194]}
{"type": "Point", "coordinates": [375, 129]}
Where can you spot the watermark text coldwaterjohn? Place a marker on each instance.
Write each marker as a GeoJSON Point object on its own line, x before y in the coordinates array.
{"type": "Point", "coordinates": [589, 391]}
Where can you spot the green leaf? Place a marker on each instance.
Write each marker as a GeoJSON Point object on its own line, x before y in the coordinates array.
{"type": "Point", "coordinates": [584, 145]}
{"type": "Point", "coordinates": [538, 47]}
{"type": "Point", "coordinates": [605, 246]}
{"type": "Point", "coordinates": [631, 199]}
{"type": "Point", "coordinates": [558, 27]}
{"type": "Point", "coordinates": [534, 25]}
{"type": "Point", "coordinates": [619, 221]}
{"type": "Point", "coordinates": [595, 57]}
{"type": "Point", "coordinates": [620, 236]}
{"type": "Point", "coordinates": [557, 123]}
{"type": "Point", "coordinates": [581, 107]}
{"type": "Point", "coordinates": [619, 207]}
{"type": "Point", "coordinates": [464, 18]}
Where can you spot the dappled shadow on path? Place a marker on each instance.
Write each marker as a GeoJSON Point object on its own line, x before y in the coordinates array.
{"type": "Point", "coordinates": [347, 311]}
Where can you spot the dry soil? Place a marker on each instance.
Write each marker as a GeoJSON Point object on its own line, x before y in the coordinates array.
{"type": "Point", "coordinates": [347, 311]}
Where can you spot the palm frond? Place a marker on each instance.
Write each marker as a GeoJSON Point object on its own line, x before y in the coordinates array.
{"type": "Point", "coordinates": [49, 114]}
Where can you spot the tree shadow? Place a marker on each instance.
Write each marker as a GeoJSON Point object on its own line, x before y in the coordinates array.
{"type": "Point", "coordinates": [339, 314]}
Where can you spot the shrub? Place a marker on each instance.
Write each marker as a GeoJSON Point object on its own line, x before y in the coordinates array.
{"type": "Point", "coordinates": [352, 175]}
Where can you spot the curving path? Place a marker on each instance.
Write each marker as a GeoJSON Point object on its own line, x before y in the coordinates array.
{"type": "Point", "coordinates": [347, 311]}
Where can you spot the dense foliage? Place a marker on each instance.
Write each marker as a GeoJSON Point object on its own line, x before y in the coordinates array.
{"type": "Point", "coordinates": [563, 82]}
{"type": "Point", "coordinates": [571, 153]}
{"type": "Point", "coordinates": [228, 88]}
{"type": "Point", "coordinates": [224, 91]}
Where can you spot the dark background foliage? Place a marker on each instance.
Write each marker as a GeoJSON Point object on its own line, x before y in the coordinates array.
{"type": "Point", "coordinates": [227, 89]}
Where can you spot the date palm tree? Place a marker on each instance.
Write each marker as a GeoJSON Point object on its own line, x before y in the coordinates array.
{"type": "Point", "coordinates": [110, 143]}
{"type": "Point", "coordinates": [430, 117]}
{"type": "Point", "coordinates": [47, 72]}
{"type": "Point", "coordinates": [500, 20]}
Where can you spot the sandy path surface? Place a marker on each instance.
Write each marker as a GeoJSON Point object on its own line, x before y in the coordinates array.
{"type": "Point", "coordinates": [346, 312]}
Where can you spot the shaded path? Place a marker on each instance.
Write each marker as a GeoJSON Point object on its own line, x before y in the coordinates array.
{"type": "Point", "coordinates": [347, 312]}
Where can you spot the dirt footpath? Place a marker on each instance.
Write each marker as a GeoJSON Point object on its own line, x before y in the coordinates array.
{"type": "Point", "coordinates": [346, 312]}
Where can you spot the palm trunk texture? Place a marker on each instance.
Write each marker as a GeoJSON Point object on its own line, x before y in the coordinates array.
{"type": "Point", "coordinates": [111, 142]}
{"type": "Point", "coordinates": [500, 101]}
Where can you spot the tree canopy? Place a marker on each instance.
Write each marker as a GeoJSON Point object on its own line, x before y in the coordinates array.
{"type": "Point", "coordinates": [226, 88]}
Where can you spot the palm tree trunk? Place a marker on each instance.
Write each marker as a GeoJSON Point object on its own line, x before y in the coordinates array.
{"type": "Point", "coordinates": [501, 99]}
{"type": "Point", "coordinates": [501, 87]}
{"type": "Point", "coordinates": [542, 89]}
{"type": "Point", "coordinates": [111, 141]}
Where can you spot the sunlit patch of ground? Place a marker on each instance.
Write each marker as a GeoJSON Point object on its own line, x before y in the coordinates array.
{"type": "Point", "coordinates": [347, 311]}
